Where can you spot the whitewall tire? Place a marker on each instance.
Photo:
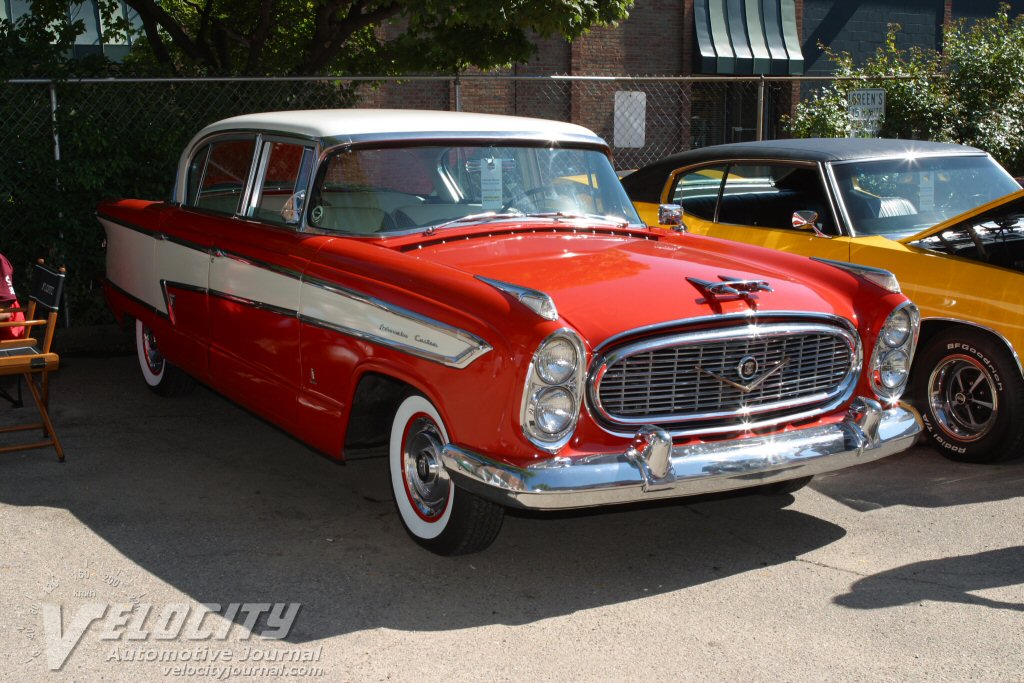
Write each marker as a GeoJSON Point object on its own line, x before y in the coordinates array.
{"type": "Point", "coordinates": [436, 514]}
{"type": "Point", "coordinates": [160, 375]}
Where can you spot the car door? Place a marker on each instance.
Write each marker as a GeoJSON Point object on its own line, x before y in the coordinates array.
{"type": "Point", "coordinates": [218, 172]}
{"type": "Point", "coordinates": [255, 279]}
{"type": "Point", "coordinates": [755, 204]}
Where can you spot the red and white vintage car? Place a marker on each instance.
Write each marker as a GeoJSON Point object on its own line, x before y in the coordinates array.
{"type": "Point", "coordinates": [477, 293]}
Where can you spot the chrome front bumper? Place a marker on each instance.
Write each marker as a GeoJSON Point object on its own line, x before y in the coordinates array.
{"type": "Point", "coordinates": [653, 468]}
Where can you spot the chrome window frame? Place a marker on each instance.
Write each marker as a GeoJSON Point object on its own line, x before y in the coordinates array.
{"type": "Point", "coordinates": [851, 230]}
{"type": "Point", "coordinates": [827, 186]}
{"type": "Point", "coordinates": [181, 192]}
{"type": "Point", "coordinates": [265, 143]}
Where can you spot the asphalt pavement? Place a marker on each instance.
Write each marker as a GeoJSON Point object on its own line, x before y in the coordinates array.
{"type": "Point", "coordinates": [909, 569]}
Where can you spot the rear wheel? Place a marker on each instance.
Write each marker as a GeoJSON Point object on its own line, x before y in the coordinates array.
{"type": "Point", "coordinates": [160, 376]}
{"type": "Point", "coordinates": [968, 389]}
{"type": "Point", "coordinates": [438, 515]}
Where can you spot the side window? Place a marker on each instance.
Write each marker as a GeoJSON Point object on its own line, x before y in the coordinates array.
{"type": "Point", "coordinates": [766, 195]}
{"type": "Point", "coordinates": [218, 175]}
{"type": "Point", "coordinates": [285, 169]}
{"type": "Point", "coordinates": [697, 191]}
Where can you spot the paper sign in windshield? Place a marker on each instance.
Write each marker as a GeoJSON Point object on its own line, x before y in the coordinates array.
{"type": "Point", "coordinates": [490, 184]}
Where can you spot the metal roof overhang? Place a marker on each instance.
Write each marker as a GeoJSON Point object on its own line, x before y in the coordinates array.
{"type": "Point", "coordinates": [740, 37]}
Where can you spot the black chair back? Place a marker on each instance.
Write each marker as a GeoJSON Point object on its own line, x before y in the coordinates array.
{"type": "Point", "coordinates": [47, 287]}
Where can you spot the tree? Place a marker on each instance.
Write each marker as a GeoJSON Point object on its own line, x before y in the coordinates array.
{"type": "Point", "coordinates": [311, 37]}
{"type": "Point", "coordinates": [971, 93]}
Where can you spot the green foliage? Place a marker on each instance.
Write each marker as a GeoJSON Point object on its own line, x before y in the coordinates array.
{"type": "Point", "coordinates": [352, 37]}
{"type": "Point", "coordinates": [119, 140]}
{"type": "Point", "coordinates": [116, 140]}
{"type": "Point", "coordinates": [971, 93]}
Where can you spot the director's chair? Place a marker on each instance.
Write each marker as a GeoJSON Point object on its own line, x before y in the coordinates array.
{"type": "Point", "coordinates": [28, 357]}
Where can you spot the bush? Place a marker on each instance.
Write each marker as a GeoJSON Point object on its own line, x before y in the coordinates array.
{"type": "Point", "coordinates": [971, 93]}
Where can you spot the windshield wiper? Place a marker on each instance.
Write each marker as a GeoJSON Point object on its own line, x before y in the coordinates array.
{"type": "Point", "coordinates": [576, 215]}
{"type": "Point", "coordinates": [484, 217]}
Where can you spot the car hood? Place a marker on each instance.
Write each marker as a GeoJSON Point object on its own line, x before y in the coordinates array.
{"type": "Point", "coordinates": [1011, 203]}
{"type": "Point", "coordinates": [605, 284]}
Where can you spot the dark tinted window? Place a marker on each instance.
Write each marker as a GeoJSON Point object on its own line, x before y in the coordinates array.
{"type": "Point", "coordinates": [767, 195]}
{"type": "Point", "coordinates": [217, 183]}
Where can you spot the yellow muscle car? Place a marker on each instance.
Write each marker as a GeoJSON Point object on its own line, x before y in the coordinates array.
{"type": "Point", "coordinates": [946, 219]}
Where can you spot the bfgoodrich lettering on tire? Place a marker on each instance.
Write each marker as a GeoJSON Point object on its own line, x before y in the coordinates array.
{"type": "Point", "coordinates": [439, 516]}
{"type": "Point", "coordinates": [160, 376]}
{"type": "Point", "coordinates": [970, 394]}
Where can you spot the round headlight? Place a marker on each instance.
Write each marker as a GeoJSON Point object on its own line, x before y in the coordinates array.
{"type": "Point", "coordinates": [894, 369]}
{"type": "Point", "coordinates": [556, 361]}
{"type": "Point", "coordinates": [896, 330]}
{"type": "Point", "coordinates": [553, 410]}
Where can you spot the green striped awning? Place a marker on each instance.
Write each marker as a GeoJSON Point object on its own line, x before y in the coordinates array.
{"type": "Point", "coordinates": [737, 37]}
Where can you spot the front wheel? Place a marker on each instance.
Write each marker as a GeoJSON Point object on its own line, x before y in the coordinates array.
{"type": "Point", "coordinates": [161, 377]}
{"type": "Point", "coordinates": [438, 515]}
{"type": "Point", "coordinates": [968, 389]}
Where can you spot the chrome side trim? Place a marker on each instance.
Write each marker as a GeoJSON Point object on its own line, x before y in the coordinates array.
{"type": "Point", "coordinates": [264, 265]}
{"type": "Point", "coordinates": [995, 333]}
{"type": "Point", "coordinates": [642, 472]}
{"type": "Point", "coordinates": [474, 345]}
{"type": "Point", "coordinates": [259, 305]}
{"type": "Point", "coordinates": [615, 425]}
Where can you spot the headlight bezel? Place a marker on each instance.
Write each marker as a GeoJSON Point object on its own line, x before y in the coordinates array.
{"type": "Point", "coordinates": [537, 387]}
{"type": "Point", "coordinates": [885, 351]}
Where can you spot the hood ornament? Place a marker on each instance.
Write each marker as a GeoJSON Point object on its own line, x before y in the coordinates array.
{"type": "Point", "coordinates": [730, 289]}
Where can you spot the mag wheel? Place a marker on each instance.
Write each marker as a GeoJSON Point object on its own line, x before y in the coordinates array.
{"type": "Point", "coordinates": [162, 377]}
{"type": "Point", "coordinates": [968, 388]}
{"type": "Point", "coordinates": [438, 515]}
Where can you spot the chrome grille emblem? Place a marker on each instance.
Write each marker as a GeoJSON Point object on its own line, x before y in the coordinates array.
{"type": "Point", "coordinates": [747, 369]}
{"type": "Point", "coordinates": [750, 386]}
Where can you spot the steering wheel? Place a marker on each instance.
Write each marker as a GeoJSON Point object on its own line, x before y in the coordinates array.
{"type": "Point", "coordinates": [533, 194]}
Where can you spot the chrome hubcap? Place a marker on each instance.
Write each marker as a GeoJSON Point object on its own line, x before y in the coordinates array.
{"type": "Point", "coordinates": [962, 397]}
{"type": "Point", "coordinates": [426, 479]}
{"type": "Point", "coordinates": [154, 359]}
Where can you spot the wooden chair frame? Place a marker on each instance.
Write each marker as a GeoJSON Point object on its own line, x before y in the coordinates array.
{"type": "Point", "coordinates": [29, 358]}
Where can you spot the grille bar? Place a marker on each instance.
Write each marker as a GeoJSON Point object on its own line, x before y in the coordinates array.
{"type": "Point", "coordinates": [783, 370]}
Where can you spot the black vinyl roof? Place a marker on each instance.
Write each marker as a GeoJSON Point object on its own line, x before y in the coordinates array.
{"type": "Point", "coordinates": [645, 184]}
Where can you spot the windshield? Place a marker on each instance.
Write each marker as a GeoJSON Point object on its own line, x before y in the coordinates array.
{"type": "Point", "coordinates": [405, 189]}
{"type": "Point", "coordinates": [900, 197]}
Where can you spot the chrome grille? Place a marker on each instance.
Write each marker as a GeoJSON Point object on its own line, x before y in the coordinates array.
{"type": "Point", "coordinates": [688, 378]}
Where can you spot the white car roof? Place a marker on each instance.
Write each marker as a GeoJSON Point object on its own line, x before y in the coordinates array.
{"type": "Point", "coordinates": [337, 126]}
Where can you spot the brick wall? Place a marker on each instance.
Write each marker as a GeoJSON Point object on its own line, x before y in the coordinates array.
{"type": "Point", "coordinates": [859, 27]}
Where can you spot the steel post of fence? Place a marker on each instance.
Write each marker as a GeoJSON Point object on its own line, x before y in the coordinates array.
{"type": "Point", "coordinates": [53, 121]}
{"type": "Point", "coordinates": [458, 93]}
{"type": "Point", "coordinates": [760, 108]}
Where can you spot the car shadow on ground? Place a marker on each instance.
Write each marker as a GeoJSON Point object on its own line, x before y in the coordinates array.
{"type": "Point", "coordinates": [921, 477]}
{"type": "Point", "coordinates": [950, 579]}
{"type": "Point", "coordinates": [225, 508]}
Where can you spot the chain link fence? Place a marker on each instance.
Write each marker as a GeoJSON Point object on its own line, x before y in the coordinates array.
{"type": "Point", "coordinates": [68, 145]}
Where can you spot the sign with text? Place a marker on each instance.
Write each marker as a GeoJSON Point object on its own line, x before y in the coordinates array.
{"type": "Point", "coordinates": [867, 106]}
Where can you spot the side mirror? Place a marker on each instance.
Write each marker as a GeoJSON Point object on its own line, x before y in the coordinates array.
{"type": "Point", "coordinates": [671, 215]}
{"type": "Point", "coordinates": [807, 220]}
{"type": "Point", "coordinates": [291, 212]}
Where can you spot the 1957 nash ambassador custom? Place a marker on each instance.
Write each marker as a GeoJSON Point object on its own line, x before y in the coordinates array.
{"type": "Point", "coordinates": [474, 292]}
